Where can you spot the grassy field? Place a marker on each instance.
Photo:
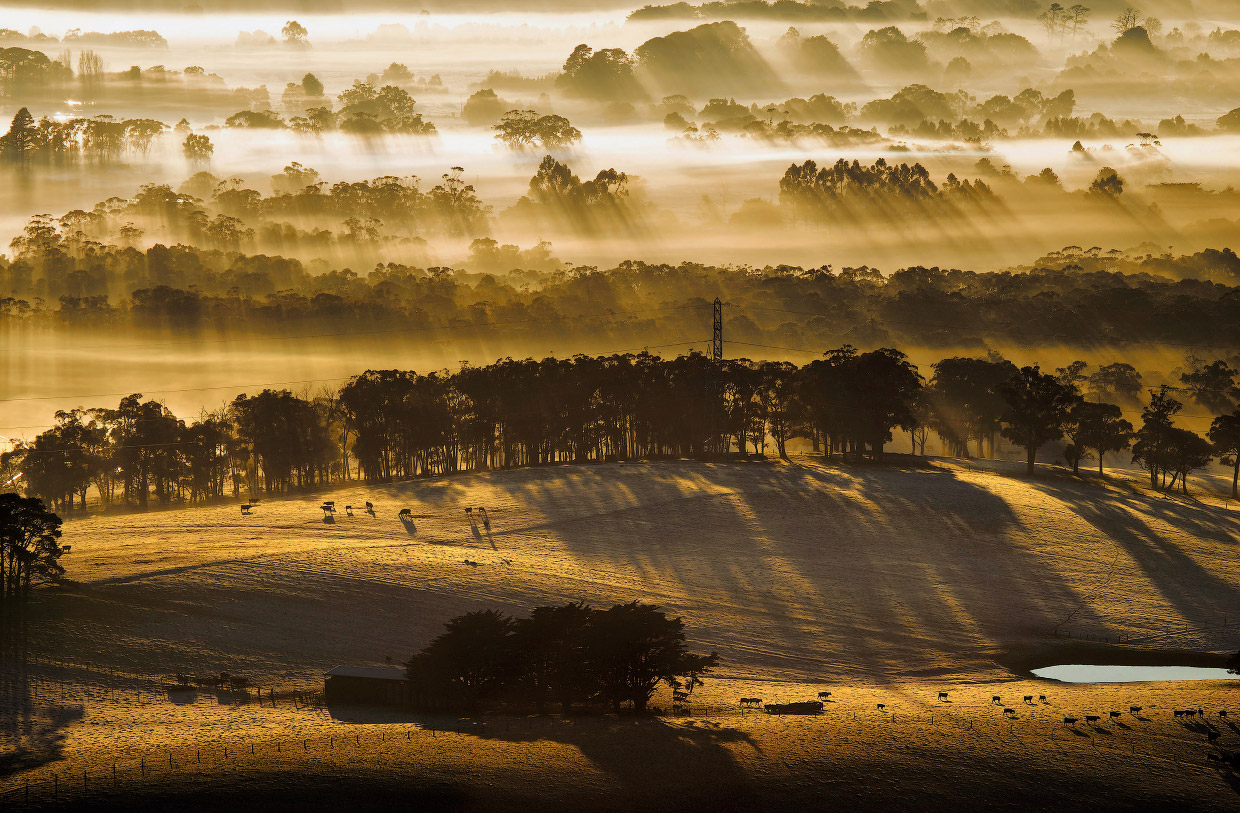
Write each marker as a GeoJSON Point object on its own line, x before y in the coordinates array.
{"type": "Point", "coordinates": [884, 584]}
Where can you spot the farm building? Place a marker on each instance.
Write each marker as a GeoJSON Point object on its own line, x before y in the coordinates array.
{"type": "Point", "coordinates": [365, 685]}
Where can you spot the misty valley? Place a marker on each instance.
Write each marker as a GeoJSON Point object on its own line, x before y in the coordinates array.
{"type": "Point", "coordinates": [710, 405]}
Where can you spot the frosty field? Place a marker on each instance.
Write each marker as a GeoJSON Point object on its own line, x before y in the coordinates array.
{"type": "Point", "coordinates": [881, 584]}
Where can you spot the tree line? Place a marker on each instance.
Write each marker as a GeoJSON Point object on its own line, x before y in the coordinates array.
{"type": "Point", "coordinates": [386, 425]}
{"type": "Point", "coordinates": [88, 269]}
{"type": "Point", "coordinates": [571, 654]}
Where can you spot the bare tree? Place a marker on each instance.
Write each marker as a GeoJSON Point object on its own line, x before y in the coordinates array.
{"type": "Point", "coordinates": [1127, 20]}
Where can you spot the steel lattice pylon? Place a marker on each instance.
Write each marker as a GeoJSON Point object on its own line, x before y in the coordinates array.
{"type": "Point", "coordinates": [717, 444]}
{"type": "Point", "coordinates": [716, 347]}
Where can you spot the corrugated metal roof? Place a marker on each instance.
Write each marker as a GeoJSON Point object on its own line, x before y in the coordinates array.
{"type": "Point", "coordinates": [370, 672]}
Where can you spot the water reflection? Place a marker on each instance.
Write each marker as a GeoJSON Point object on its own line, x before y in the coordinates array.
{"type": "Point", "coordinates": [1082, 673]}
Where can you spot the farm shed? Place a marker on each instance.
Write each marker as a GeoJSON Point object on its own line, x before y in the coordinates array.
{"type": "Point", "coordinates": [365, 685]}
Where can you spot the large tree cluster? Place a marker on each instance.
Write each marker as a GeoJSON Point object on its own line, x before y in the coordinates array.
{"type": "Point", "coordinates": [386, 425]}
{"type": "Point", "coordinates": [571, 654]}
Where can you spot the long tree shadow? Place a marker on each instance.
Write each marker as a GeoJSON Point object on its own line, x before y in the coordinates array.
{"type": "Point", "coordinates": [819, 557]}
{"type": "Point", "coordinates": [647, 757]}
{"type": "Point", "coordinates": [32, 727]}
{"type": "Point", "coordinates": [1193, 591]}
{"type": "Point", "coordinates": [644, 755]}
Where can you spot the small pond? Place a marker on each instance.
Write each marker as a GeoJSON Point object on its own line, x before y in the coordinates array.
{"type": "Point", "coordinates": [1082, 673]}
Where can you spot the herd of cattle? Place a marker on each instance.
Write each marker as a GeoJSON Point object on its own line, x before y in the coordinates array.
{"type": "Point", "coordinates": [817, 706]}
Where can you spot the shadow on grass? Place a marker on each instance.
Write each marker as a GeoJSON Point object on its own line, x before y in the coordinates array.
{"type": "Point", "coordinates": [642, 755]}
{"type": "Point", "coordinates": [32, 724]}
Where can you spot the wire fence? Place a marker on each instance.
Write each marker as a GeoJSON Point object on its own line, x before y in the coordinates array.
{"type": "Point", "coordinates": [1223, 623]}
{"type": "Point", "coordinates": [42, 678]}
{"type": "Point", "coordinates": [46, 681]}
{"type": "Point", "coordinates": [1138, 735]}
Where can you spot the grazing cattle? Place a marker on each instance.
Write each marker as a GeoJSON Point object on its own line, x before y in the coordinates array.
{"type": "Point", "coordinates": [1010, 711]}
{"type": "Point", "coordinates": [942, 695]}
{"type": "Point", "coordinates": [751, 702]}
{"type": "Point", "coordinates": [1028, 698]}
{"type": "Point", "coordinates": [348, 510]}
{"type": "Point", "coordinates": [328, 510]}
{"type": "Point", "coordinates": [405, 513]}
{"type": "Point", "coordinates": [1069, 721]}
{"type": "Point", "coordinates": [469, 511]}
{"type": "Point", "coordinates": [1177, 713]}
{"type": "Point", "coordinates": [996, 699]}
{"type": "Point", "coordinates": [1135, 709]}
{"type": "Point", "coordinates": [1114, 714]}
{"type": "Point", "coordinates": [1042, 699]}
{"type": "Point", "coordinates": [471, 563]}
{"type": "Point", "coordinates": [245, 510]}
{"type": "Point", "coordinates": [882, 706]}
{"type": "Point", "coordinates": [1222, 713]}
{"type": "Point", "coordinates": [1190, 712]}
{"type": "Point", "coordinates": [823, 695]}
{"type": "Point", "coordinates": [370, 506]}
{"type": "Point", "coordinates": [1092, 718]}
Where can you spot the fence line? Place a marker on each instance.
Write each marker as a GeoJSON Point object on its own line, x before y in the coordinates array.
{"type": "Point", "coordinates": [165, 764]}
{"type": "Point", "coordinates": [1227, 623]}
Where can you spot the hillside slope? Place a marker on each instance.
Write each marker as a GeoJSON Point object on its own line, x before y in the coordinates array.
{"type": "Point", "coordinates": [794, 571]}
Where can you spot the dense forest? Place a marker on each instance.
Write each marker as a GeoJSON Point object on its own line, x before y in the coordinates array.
{"type": "Point", "coordinates": [69, 272]}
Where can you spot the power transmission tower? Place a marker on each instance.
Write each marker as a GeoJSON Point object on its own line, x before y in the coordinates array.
{"type": "Point", "coordinates": [716, 347]}
{"type": "Point", "coordinates": [717, 444]}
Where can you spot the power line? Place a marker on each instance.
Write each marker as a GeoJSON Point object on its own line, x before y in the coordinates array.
{"type": "Point", "coordinates": [384, 331]}
{"type": "Point", "coordinates": [1130, 411]}
{"type": "Point", "coordinates": [642, 348]}
{"type": "Point", "coordinates": [990, 330]}
{"type": "Point", "coordinates": [165, 392]}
